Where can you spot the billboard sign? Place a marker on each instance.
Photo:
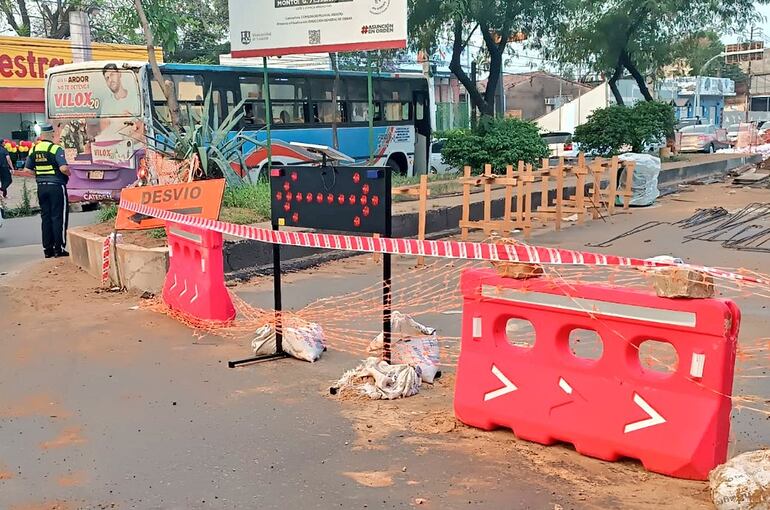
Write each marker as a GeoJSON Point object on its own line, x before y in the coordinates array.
{"type": "Point", "coordinates": [283, 27]}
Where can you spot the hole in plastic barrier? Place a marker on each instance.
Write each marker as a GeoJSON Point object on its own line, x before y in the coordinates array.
{"type": "Point", "coordinates": [586, 344]}
{"type": "Point", "coordinates": [657, 356]}
{"type": "Point", "coordinates": [520, 333]}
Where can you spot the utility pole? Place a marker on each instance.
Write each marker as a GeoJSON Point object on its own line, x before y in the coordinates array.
{"type": "Point", "coordinates": [80, 36]}
{"type": "Point", "coordinates": [748, 85]}
{"type": "Point", "coordinates": [473, 107]}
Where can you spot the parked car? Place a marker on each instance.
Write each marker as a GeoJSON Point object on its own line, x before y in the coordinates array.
{"type": "Point", "coordinates": [732, 134]}
{"type": "Point", "coordinates": [437, 165]}
{"type": "Point", "coordinates": [702, 138]}
{"type": "Point", "coordinates": [688, 121]}
{"type": "Point", "coordinates": [560, 144]}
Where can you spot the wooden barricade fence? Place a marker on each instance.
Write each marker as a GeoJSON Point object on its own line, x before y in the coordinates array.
{"type": "Point", "coordinates": [422, 193]}
{"type": "Point", "coordinates": [595, 193]}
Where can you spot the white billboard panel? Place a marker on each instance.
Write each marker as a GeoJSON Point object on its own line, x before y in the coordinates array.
{"type": "Point", "coordinates": [261, 28]}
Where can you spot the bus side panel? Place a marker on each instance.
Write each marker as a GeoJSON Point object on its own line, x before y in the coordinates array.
{"type": "Point", "coordinates": [354, 141]}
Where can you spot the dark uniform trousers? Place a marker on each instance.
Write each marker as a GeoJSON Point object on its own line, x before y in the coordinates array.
{"type": "Point", "coordinates": [51, 195]}
{"type": "Point", "coordinates": [54, 213]}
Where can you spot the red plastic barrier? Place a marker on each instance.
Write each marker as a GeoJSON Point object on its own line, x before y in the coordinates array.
{"type": "Point", "coordinates": [676, 424]}
{"type": "Point", "coordinates": [195, 283]}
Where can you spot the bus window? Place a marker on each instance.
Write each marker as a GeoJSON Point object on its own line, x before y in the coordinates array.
{"type": "Point", "coordinates": [251, 89]}
{"type": "Point", "coordinates": [394, 90]}
{"type": "Point", "coordinates": [396, 111]}
{"type": "Point", "coordinates": [254, 113]}
{"type": "Point", "coordinates": [419, 111]}
{"type": "Point", "coordinates": [324, 112]}
{"type": "Point", "coordinates": [359, 111]}
{"type": "Point", "coordinates": [356, 88]}
{"type": "Point", "coordinates": [288, 112]}
{"type": "Point", "coordinates": [189, 96]}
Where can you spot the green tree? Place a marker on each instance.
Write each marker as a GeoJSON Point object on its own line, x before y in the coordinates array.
{"type": "Point", "coordinates": [615, 128]}
{"type": "Point", "coordinates": [636, 35]}
{"type": "Point", "coordinates": [499, 142]}
{"type": "Point", "coordinates": [38, 18]}
{"type": "Point", "coordinates": [497, 21]}
{"type": "Point", "coordinates": [382, 60]}
{"type": "Point", "coordinates": [696, 51]}
{"type": "Point", "coordinates": [193, 31]}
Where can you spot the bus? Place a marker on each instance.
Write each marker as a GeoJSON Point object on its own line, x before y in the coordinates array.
{"type": "Point", "coordinates": [104, 113]}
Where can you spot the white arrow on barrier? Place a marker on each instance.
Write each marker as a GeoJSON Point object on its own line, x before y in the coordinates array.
{"type": "Point", "coordinates": [185, 289]}
{"type": "Point", "coordinates": [655, 417]}
{"type": "Point", "coordinates": [196, 294]}
{"type": "Point", "coordinates": [507, 388]}
{"type": "Point", "coordinates": [173, 286]}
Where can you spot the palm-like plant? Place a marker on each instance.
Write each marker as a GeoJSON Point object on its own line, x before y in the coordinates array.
{"type": "Point", "coordinates": [217, 145]}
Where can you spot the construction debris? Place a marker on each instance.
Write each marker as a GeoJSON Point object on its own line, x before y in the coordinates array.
{"type": "Point", "coordinates": [378, 380]}
{"type": "Point", "coordinates": [681, 282]}
{"type": "Point", "coordinates": [742, 483]}
{"type": "Point", "coordinates": [413, 344]}
{"type": "Point", "coordinates": [301, 341]}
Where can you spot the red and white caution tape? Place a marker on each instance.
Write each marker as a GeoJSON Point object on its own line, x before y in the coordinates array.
{"type": "Point", "coordinates": [444, 249]}
{"type": "Point", "coordinates": [106, 259]}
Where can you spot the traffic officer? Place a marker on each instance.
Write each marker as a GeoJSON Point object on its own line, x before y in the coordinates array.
{"type": "Point", "coordinates": [46, 159]}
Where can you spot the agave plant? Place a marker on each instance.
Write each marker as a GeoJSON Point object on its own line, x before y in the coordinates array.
{"type": "Point", "coordinates": [217, 145]}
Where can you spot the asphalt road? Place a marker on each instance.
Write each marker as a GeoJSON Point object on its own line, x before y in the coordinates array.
{"type": "Point", "coordinates": [104, 404]}
{"type": "Point", "coordinates": [26, 231]}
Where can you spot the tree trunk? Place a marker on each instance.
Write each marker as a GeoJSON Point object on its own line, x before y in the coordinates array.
{"type": "Point", "coordinates": [613, 83]}
{"type": "Point", "coordinates": [335, 93]}
{"type": "Point", "coordinates": [477, 100]}
{"type": "Point", "coordinates": [496, 50]}
{"type": "Point", "coordinates": [626, 60]}
{"type": "Point", "coordinates": [493, 82]}
{"type": "Point", "coordinates": [168, 89]}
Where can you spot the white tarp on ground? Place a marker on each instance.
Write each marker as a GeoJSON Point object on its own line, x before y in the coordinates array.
{"type": "Point", "coordinates": [380, 381]}
{"type": "Point", "coordinates": [762, 150]}
{"type": "Point", "coordinates": [742, 483]}
{"type": "Point", "coordinates": [644, 184]}
{"type": "Point", "coordinates": [301, 341]}
{"type": "Point", "coordinates": [412, 343]}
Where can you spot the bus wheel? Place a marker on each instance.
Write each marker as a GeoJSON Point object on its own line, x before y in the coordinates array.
{"type": "Point", "coordinates": [395, 167]}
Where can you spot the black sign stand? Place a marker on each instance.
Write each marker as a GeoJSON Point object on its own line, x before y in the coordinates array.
{"type": "Point", "coordinates": [387, 297]}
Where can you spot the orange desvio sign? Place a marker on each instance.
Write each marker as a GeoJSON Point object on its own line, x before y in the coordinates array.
{"type": "Point", "coordinates": [199, 198]}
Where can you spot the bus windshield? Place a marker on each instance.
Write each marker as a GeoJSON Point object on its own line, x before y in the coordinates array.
{"type": "Point", "coordinates": [105, 92]}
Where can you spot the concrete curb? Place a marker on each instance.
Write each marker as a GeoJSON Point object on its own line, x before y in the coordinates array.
{"type": "Point", "coordinates": [131, 266]}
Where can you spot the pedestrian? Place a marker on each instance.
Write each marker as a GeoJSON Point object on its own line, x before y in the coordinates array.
{"type": "Point", "coordinates": [46, 159]}
{"type": "Point", "coordinates": [6, 165]}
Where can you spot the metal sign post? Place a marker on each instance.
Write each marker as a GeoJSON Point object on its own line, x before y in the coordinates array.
{"type": "Point", "coordinates": [339, 198]}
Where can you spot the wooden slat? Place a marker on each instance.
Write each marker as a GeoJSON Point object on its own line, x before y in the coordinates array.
{"type": "Point", "coordinates": [422, 215]}
{"type": "Point", "coordinates": [487, 196]}
{"type": "Point", "coordinates": [466, 203]}
{"type": "Point", "coordinates": [559, 192]}
{"type": "Point", "coordinates": [508, 196]}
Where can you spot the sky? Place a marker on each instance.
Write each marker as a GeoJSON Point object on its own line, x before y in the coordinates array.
{"type": "Point", "coordinates": [763, 26]}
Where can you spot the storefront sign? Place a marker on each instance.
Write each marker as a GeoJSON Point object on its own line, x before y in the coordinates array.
{"type": "Point", "coordinates": [25, 60]}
